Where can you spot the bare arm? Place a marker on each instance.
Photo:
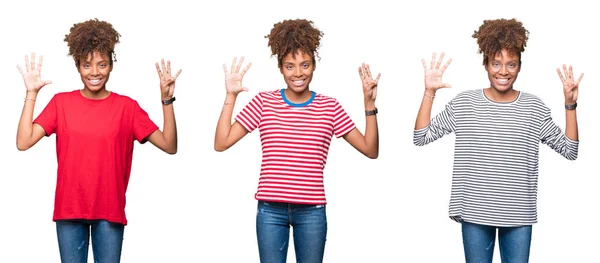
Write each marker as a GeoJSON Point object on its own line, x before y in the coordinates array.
{"type": "Point", "coordinates": [166, 140]}
{"type": "Point", "coordinates": [367, 144]}
{"type": "Point", "coordinates": [433, 82]}
{"type": "Point", "coordinates": [28, 133]}
{"type": "Point", "coordinates": [227, 134]}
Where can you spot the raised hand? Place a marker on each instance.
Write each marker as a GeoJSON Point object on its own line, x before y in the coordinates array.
{"type": "Point", "coordinates": [570, 86]}
{"type": "Point", "coordinates": [31, 74]}
{"type": "Point", "coordinates": [233, 78]}
{"type": "Point", "coordinates": [369, 84]}
{"type": "Point", "coordinates": [433, 73]}
{"type": "Point", "coordinates": [167, 80]}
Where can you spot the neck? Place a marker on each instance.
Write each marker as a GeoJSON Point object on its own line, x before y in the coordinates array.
{"type": "Point", "coordinates": [297, 97]}
{"type": "Point", "coordinates": [501, 96]}
{"type": "Point", "coordinates": [96, 95]}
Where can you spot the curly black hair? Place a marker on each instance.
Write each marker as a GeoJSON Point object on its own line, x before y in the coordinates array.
{"type": "Point", "coordinates": [498, 34]}
{"type": "Point", "coordinates": [92, 36]}
{"type": "Point", "coordinates": [291, 36]}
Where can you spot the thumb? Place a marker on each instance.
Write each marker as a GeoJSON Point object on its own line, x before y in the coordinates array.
{"type": "Point", "coordinates": [446, 85]}
{"type": "Point", "coordinates": [245, 89]}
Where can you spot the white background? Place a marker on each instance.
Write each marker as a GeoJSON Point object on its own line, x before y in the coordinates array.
{"type": "Point", "coordinates": [198, 205]}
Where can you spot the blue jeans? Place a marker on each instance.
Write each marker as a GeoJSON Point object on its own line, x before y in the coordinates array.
{"type": "Point", "coordinates": [478, 241]}
{"type": "Point", "coordinates": [273, 221]}
{"type": "Point", "coordinates": [74, 236]}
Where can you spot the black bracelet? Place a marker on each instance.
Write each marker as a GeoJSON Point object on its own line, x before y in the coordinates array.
{"type": "Point", "coordinates": [371, 112]}
{"type": "Point", "coordinates": [571, 106]}
{"type": "Point", "coordinates": [169, 101]}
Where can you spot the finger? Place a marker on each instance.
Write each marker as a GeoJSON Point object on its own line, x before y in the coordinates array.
{"type": "Point", "coordinates": [446, 85]}
{"type": "Point", "coordinates": [168, 68]}
{"type": "Point", "coordinates": [164, 68]}
{"type": "Point", "coordinates": [21, 70]}
{"type": "Point", "coordinates": [225, 69]}
{"type": "Point", "coordinates": [239, 65]}
{"type": "Point", "coordinates": [432, 60]}
{"type": "Point", "coordinates": [437, 65]}
{"type": "Point", "coordinates": [560, 75]}
{"type": "Point", "coordinates": [246, 69]}
{"type": "Point", "coordinates": [245, 89]}
{"type": "Point", "coordinates": [158, 70]}
{"type": "Point", "coordinates": [233, 64]}
{"type": "Point", "coordinates": [446, 65]}
{"type": "Point", "coordinates": [39, 65]}
{"type": "Point", "coordinates": [565, 71]}
{"type": "Point", "coordinates": [177, 75]}
{"type": "Point", "coordinates": [424, 64]}
{"type": "Point", "coordinates": [579, 79]}
{"type": "Point", "coordinates": [47, 82]}
{"type": "Point", "coordinates": [26, 63]}
{"type": "Point", "coordinates": [32, 60]}
{"type": "Point", "coordinates": [377, 79]}
{"type": "Point", "coordinates": [369, 72]}
{"type": "Point", "coordinates": [361, 73]}
{"type": "Point", "coordinates": [571, 71]}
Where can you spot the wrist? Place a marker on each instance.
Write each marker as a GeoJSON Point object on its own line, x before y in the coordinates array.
{"type": "Point", "coordinates": [570, 106]}
{"type": "Point", "coordinates": [369, 105]}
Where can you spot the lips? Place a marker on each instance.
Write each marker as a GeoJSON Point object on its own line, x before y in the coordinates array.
{"type": "Point", "coordinates": [503, 81]}
{"type": "Point", "coordinates": [298, 83]}
{"type": "Point", "coordinates": [94, 81]}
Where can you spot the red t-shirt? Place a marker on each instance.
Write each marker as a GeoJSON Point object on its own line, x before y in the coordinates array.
{"type": "Point", "coordinates": [94, 148]}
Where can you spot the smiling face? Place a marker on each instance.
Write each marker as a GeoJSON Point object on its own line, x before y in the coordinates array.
{"type": "Point", "coordinates": [503, 70]}
{"type": "Point", "coordinates": [95, 71]}
{"type": "Point", "coordinates": [297, 70]}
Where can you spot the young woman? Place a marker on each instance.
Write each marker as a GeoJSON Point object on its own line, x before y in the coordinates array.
{"type": "Point", "coordinates": [296, 126]}
{"type": "Point", "coordinates": [498, 130]}
{"type": "Point", "coordinates": [95, 132]}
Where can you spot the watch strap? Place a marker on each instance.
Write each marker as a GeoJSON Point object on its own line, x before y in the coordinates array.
{"type": "Point", "coordinates": [371, 112]}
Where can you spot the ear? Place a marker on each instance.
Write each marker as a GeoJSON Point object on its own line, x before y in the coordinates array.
{"type": "Point", "coordinates": [281, 69]}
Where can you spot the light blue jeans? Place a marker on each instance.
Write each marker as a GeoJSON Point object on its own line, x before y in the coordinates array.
{"type": "Point", "coordinates": [479, 240]}
{"type": "Point", "coordinates": [74, 236]}
{"type": "Point", "coordinates": [273, 221]}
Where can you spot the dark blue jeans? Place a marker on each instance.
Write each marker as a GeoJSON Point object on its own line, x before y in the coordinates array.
{"type": "Point", "coordinates": [479, 240]}
{"type": "Point", "coordinates": [74, 236]}
{"type": "Point", "coordinates": [273, 221]}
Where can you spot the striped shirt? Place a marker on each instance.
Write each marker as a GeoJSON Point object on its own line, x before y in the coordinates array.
{"type": "Point", "coordinates": [295, 140]}
{"type": "Point", "coordinates": [495, 174]}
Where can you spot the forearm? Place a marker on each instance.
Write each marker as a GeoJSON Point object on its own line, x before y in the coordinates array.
{"type": "Point", "coordinates": [169, 128]}
{"type": "Point", "coordinates": [571, 125]}
{"type": "Point", "coordinates": [371, 132]}
{"type": "Point", "coordinates": [224, 123]}
{"type": "Point", "coordinates": [25, 128]}
{"type": "Point", "coordinates": [424, 114]}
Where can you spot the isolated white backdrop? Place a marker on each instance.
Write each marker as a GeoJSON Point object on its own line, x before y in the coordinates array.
{"type": "Point", "coordinates": [198, 205]}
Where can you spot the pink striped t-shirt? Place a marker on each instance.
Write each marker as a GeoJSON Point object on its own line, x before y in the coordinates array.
{"type": "Point", "coordinates": [295, 140]}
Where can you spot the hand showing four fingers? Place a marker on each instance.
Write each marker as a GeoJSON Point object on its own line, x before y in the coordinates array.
{"type": "Point", "coordinates": [31, 74]}
{"type": "Point", "coordinates": [167, 80]}
{"type": "Point", "coordinates": [570, 85]}
{"type": "Point", "coordinates": [433, 73]}
{"type": "Point", "coordinates": [368, 82]}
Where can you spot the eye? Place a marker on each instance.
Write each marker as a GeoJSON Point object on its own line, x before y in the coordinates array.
{"type": "Point", "coordinates": [86, 66]}
{"type": "Point", "coordinates": [289, 67]}
{"type": "Point", "coordinates": [305, 65]}
{"type": "Point", "coordinates": [495, 64]}
{"type": "Point", "coordinates": [512, 66]}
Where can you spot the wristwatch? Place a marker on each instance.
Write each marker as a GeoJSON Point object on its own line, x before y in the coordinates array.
{"type": "Point", "coordinates": [571, 106]}
{"type": "Point", "coordinates": [371, 112]}
{"type": "Point", "coordinates": [169, 101]}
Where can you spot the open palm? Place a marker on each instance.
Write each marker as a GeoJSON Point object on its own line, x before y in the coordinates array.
{"type": "Point", "coordinates": [31, 74]}
{"type": "Point", "coordinates": [369, 84]}
{"type": "Point", "coordinates": [167, 80]}
{"type": "Point", "coordinates": [233, 78]}
{"type": "Point", "coordinates": [570, 85]}
{"type": "Point", "coordinates": [433, 73]}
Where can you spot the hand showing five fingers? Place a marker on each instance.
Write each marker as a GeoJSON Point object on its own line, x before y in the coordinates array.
{"type": "Point", "coordinates": [369, 84]}
{"type": "Point", "coordinates": [570, 85]}
{"type": "Point", "coordinates": [233, 78]}
{"type": "Point", "coordinates": [433, 73]}
{"type": "Point", "coordinates": [31, 74]}
{"type": "Point", "coordinates": [167, 80]}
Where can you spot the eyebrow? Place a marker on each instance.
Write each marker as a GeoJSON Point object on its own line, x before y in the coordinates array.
{"type": "Point", "coordinates": [288, 62]}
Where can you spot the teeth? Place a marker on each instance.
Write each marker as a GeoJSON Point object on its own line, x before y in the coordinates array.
{"type": "Point", "coordinates": [94, 81]}
{"type": "Point", "coordinates": [502, 80]}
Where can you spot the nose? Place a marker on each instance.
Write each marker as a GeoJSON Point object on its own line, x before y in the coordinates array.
{"type": "Point", "coordinates": [95, 70]}
{"type": "Point", "coordinates": [298, 72]}
{"type": "Point", "coordinates": [503, 69]}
